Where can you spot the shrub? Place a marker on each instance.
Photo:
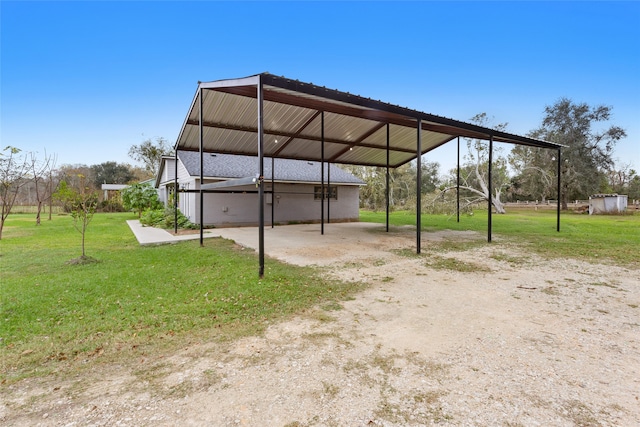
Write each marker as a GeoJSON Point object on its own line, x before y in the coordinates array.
{"type": "Point", "coordinates": [138, 197]}
{"type": "Point", "coordinates": [164, 218]}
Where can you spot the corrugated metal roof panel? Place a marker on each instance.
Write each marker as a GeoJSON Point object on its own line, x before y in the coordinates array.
{"type": "Point", "coordinates": [355, 127]}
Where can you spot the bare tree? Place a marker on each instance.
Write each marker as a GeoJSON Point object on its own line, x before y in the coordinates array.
{"type": "Point", "coordinates": [13, 170]}
{"type": "Point", "coordinates": [474, 173]}
{"type": "Point", "coordinates": [42, 177]}
{"type": "Point", "coordinates": [402, 184]}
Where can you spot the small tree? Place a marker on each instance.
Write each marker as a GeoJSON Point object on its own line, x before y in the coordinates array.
{"type": "Point", "coordinates": [139, 197]}
{"type": "Point", "coordinates": [82, 204]}
{"type": "Point", "coordinates": [13, 170]}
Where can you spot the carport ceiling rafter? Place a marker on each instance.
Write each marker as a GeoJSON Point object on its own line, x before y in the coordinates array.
{"type": "Point", "coordinates": [355, 128]}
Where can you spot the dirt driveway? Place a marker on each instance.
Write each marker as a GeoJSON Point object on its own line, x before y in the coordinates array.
{"type": "Point", "coordinates": [491, 336]}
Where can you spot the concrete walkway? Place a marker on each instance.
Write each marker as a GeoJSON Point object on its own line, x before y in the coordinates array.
{"type": "Point", "coordinates": [155, 236]}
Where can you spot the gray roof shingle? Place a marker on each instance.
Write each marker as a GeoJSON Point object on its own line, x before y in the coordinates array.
{"type": "Point", "coordinates": [236, 166]}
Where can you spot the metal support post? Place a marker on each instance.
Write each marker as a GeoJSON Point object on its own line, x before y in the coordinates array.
{"type": "Point", "coordinates": [273, 191]}
{"type": "Point", "coordinates": [175, 191]}
{"type": "Point", "coordinates": [458, 184]}
{"type": "Point", "coordinates": [490, 198]}
{"type": "Point", "coordinates": [322, 173]}
{"type": "Point", "coordinates": [387, 183]}
{"type": "Point", "coordinates": [201, 169]}
{"type": "Point", "coordinates": [329, 193]}
{"type": "Point", "coordinates": [559, 189]}
{"type": "Point", "coordinates": [419, 186]}
{"type": "Point", "coordinates": [260, 96]}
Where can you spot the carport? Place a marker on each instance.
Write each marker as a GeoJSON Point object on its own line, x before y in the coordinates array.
{"type": "Point", "coordinates": [270, 116]}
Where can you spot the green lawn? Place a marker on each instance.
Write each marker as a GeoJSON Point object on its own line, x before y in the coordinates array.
{"type": "Point", "coordinates": [139, 301]}
{"type": "Point", "coordinates": [601, 238]}
{"type": "Point", "coordinates": [135, 300]}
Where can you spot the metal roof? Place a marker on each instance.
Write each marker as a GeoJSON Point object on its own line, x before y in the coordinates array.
{"type": "Point", "coordinates": [228, 166]}
{"type": "Point", "coordinates": [355, 128]}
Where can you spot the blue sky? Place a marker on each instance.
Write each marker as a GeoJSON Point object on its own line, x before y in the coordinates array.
{"type": "Point", "coordinates": [87, 80]}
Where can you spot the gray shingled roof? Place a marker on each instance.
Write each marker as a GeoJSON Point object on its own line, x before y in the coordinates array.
{"type": "Point", "coordinates": [237, 166]}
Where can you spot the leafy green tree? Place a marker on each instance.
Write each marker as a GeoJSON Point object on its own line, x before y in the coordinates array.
{"type": "Point", "coordinates": [82, 203]}
{"type": "Point", "coordinates": [587, 152]}
{"type": "Point", "coordinates": [139, 197]}
{"type": "Point", "coordinates": [150, 153]}
{"type": "Point", "coordinates": [535, 176]}
{"type": "Point", "coordinates": [620, 180]}
{"type": "Point", "coordinates": [633, 189]}
{"type": "Point", "coordinates": [111, 173]}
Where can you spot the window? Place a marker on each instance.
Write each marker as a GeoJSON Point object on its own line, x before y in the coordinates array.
{"type": "Point", "coordinates": [332, 192]}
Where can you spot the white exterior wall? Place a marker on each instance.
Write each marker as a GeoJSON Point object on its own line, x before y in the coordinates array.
{"type": "Point", "coordinates": [293, 202]}
{"type": "Point", "coordinates": [188, 201]}
{"type": "Point", "coordinates": [242, 209]}
{"type": "Point", "coordinates": [607, 204]}
{"type": "Point", "coordinates": [168, 176]}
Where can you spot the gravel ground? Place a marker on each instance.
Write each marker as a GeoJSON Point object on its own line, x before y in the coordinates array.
{"type": "Point", "coordinates": [514, 341]}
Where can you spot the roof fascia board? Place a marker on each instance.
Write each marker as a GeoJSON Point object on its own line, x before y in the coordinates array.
{"type": "Point", "coordinates": [231, 182]}
{"type": "Point", "coordinates": [354, 184]}
{"type": "Point", "coordinates": [245, 81]}
{"type": "Point", "coordinates": [160, 172]}
{"type": "Point", "coordinates": [186, 119]}
{"type": "Point", "coordinates": [267, 181]}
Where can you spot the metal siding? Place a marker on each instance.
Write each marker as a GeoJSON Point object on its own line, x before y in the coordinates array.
{"type": "Point", "coordinates": [302, 149]}
{"type": "Point", "coordinates": [346, 128]}
{"type": "Point", "coordinates": [285, 118]}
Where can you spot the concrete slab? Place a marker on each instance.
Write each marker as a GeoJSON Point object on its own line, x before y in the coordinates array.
{"type": "Point", "coordinates": [276, 239]}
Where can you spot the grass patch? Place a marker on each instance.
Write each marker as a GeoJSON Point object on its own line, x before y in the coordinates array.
{"type": "Point", "coordinates": [408, 253]}
{"type": "Point", "coordinates": [513, 260]}
{"type": "Point", "coordinates": [137, 300]}
{"type": "Point", "coordinates": [593, 238]}
{"type": "Point", "coordinates": [452, 264]}
{"type": "Point", "coordinates": [332, 306]}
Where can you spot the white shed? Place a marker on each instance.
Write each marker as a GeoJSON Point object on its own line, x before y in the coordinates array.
{"type": "Point", "coordinates": [607, 204]}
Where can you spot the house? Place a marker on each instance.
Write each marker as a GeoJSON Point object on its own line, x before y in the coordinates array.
{"type": "Point", "coordinates": [292, 195]}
